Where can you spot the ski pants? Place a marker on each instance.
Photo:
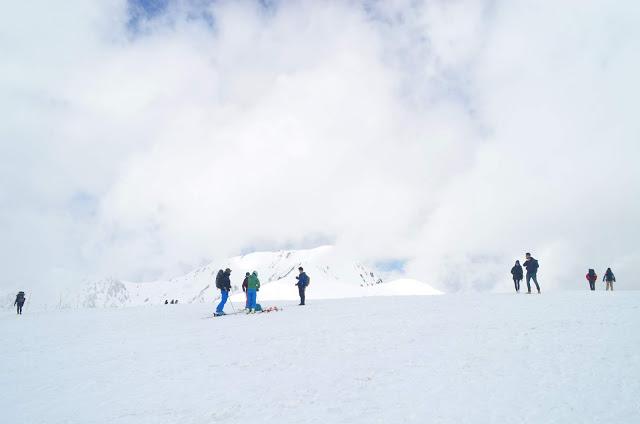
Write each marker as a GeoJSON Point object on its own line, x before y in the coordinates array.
{"type": "Point", "coordinates": [20, 305]}
{"type": "Point", "coordinates": [592, 285]}
{"type": "Point", "coordinates": [225, 296]}
{"type": "Point", "coordinates": [252, 295]}
{"type": "Point", "coordinates": [610, 285]}
{"type": "Point", "coordinates": [533, 277]}
{"type": "Point", "coordinates": [516, 282]}
{"type": "Point", "coordinates": [301, 290]}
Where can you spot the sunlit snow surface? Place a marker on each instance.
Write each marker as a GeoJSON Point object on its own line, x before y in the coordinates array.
{"type": "Point", "coordinates": [551, 358]}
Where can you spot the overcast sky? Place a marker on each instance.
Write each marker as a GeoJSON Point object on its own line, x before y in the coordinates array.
{"type": "Point", "coordinates": [446, 137]}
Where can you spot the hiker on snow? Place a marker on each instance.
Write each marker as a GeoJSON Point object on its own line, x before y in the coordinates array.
{"type": "Point", "coordinates": [253, 285]}
{"type": "Point", "coordinates": [20, 299]}
{"type": "Point", "coordinates": [609, 279]}
{"type": "Point", "coordinates": [303, 282]}
{"type": "Point", "coordinates": [592, 277]}
{"type": "Point", "coordinates": [223, 282]}
{"type": "Point", "coordinates": [245, 283]}
{"type": "Point", "coordinates": [531, 264]}
{"type": "Point", "coordinates": [517, 273]}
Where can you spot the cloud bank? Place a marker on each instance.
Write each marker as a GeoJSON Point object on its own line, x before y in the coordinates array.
{"type": "Point", "coordinates": [450, 136]}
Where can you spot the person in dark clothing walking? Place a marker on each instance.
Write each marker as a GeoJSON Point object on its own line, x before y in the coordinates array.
{"type": "Point", "coordinates": [531, 264]}
{"type": "Point", "coordinates": [20, 299]}
{"type": "Point", "coordinates": [517, 273]}
{"type": "Point", "coordinates": [245, 286]}
{"type": "Point", "coordinates": [303, 283]}
{"type": "Point", "coordinates": [166, 301]}
{"type": "Point", "coordinates": [592, 277]}
{"type": "Point", "coordinates": [609, 279]}
{"type": "Point", "coordinates": [223, 282]}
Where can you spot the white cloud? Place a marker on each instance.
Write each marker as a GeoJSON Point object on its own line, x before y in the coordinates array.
{"type": "Point", "coordinates": [456, 135]}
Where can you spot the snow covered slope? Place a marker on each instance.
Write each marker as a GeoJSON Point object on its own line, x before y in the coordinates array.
{"type": "Point", "coordinates": [554, 358]}
{"type": "Point", "coordinates": [332, 276]}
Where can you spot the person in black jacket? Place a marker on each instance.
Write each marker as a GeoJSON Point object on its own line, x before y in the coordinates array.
{"type": "Point", "coordinates": [517, 273]}
{"type": "Point", "coordinates": [609, 279]}
{"type": "Point", "coordinates": [223, 282]}
{"type": "Point", "coordinates": [531, 264]}
{"type": "Point", "coordinates": [20, 299]}
{"type": "Point", "coordinates": [303, 282]}
{"type": "Point", "coordinates": [245, 286]}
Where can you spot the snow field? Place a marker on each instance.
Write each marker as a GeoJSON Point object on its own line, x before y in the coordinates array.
{"type": "Point", "coordinates": [553, 358]}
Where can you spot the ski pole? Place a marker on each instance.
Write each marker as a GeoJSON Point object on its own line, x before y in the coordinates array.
{"type": "Point", "coordinates": [232, 307]}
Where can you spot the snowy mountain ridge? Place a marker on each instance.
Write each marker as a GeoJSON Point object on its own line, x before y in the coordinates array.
{"type": "Point", "coordinates": [332, 276]}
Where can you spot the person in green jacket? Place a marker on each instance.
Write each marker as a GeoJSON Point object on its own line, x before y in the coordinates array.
{"type": "Point", "coordinates": [253, 285]}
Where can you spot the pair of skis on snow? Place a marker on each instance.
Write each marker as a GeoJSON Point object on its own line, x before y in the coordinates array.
{"type": "Point", "coordinates": [266, 310]}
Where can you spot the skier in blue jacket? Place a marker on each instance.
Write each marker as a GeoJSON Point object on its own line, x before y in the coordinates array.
{"type": "Point", "coordinates": [303, 283]}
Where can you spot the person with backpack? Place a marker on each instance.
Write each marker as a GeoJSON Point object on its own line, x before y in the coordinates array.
{"type": "Point", "coordinates": [245, 283]}
{"type": "Point", "coordinates": [609, 279]}
{"type": "Point", "coordinates": [253, 285]}
{"type": "Point", "coordinates": [223, 283]}
{"type": "Point", "coordinates": [592, 277]}
{"type": "Point", "coordinates": [531, 264]}
{"type": "Point", "coordinates": [517, 273]}
{"type": "Point", "coordinates": [20, 299]}
{"type": "Point", "coordinates": [303, 283]}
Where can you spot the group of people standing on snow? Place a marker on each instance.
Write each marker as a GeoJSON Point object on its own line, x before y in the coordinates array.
{"type": "Point", "coordinates": [251, 286]}
{"type": "Point", "coordinates": [609, 278]}
{"type": "Point", "coordinates": [531, 265]}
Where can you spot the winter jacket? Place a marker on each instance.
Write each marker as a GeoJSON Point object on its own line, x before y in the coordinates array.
{"type": "Point", "coordinates": [591, 277]}
{"type": "Point", "coordinates": [225, 282]}
{"type": "Point", "coordinates": [303, 280]}
{"type": "Point", "coordinates": [608, 276]}
{"type": "Point", "coordinates": [531, 265]}
{"type": "Point", "coordinates": [253, 282]}
{"type": "Point", "coordinates": [19, 299]}
{"type": "Point", "coordinates": [245, 283]}
{"type": "Point", "coordinates": [516, 271]}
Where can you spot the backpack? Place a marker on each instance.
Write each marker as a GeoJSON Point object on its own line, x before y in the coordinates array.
{"type": "Point", "coordinates": [20, 297]}
{"type": "Point", "coordinates": [308, 281]}
{"type": "Point", "coordinates": [535, 265]}
{"type": "Point", "coordinates": [219, 279]}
